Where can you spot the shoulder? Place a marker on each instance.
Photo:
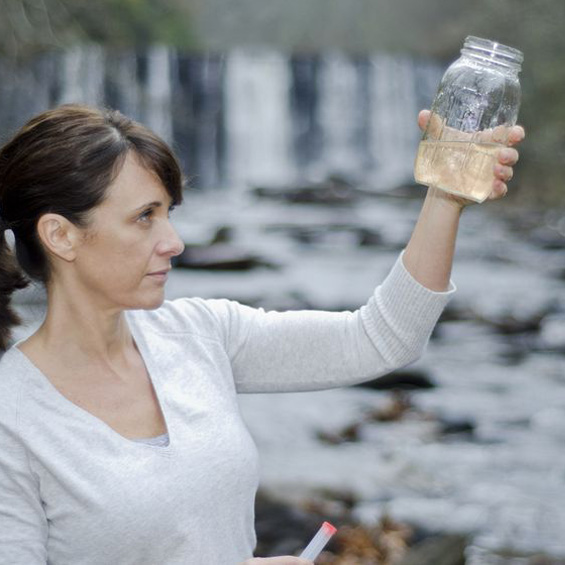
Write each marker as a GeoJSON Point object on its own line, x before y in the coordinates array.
{"type": "Point", "coordinates": [187, 315]}
{"type": "Point", "coordinates": [10, 388]}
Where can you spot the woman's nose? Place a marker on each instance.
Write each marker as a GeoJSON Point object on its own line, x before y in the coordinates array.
{"type": "Point", "coordinates": [172, 244]}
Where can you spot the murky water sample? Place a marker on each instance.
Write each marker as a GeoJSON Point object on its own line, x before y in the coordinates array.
{"type": "Point", "coordinates": [459, 167]}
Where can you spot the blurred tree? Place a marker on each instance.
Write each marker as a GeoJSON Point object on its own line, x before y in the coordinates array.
{"type": "Point", "coordinates": [29, 26]}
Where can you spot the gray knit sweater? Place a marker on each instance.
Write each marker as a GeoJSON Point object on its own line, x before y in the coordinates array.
{"type": "Point", "coordinates": [75, 492]}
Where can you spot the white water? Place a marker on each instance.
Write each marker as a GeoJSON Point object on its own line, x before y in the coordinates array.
{"type": "Point", "coordinates": [258, 119]}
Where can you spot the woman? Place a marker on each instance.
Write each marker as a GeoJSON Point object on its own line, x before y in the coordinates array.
{"type": "Point", "coordinates": [120, 437]}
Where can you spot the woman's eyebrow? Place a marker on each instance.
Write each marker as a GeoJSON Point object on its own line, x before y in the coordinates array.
{"type": "Point", "coordinates": [154, 204]}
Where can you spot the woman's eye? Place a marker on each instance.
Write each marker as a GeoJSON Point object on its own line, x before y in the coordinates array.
{"type": "Point", "coordinates": [146, 215]}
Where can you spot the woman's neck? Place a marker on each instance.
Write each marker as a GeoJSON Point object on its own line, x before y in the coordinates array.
{"type": "Point", "coordinates": [80, 327]}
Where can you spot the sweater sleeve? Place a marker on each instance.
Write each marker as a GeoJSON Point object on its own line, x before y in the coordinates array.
{"type": "Point", "coordinates": [23, 525]}
{"type": "Point", "coordinates": [312, 350]}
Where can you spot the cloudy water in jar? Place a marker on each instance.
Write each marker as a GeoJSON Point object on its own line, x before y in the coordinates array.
{"type": "Point", "coordinates": [457, 167]}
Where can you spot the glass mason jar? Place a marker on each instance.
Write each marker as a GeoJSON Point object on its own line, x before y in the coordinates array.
{"type": "Point", "coordinates": [476, 104]}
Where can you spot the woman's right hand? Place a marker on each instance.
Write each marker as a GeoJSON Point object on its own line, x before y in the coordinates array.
{"type": "Point", "coordinates": [282, 560]}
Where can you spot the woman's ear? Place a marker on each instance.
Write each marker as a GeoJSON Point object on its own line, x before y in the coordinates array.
{"type": "Point", "coordinates": [59, 236]}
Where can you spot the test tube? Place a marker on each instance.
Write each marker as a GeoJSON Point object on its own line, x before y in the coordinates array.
{"type": "Point", "coordinates": [318, 542]}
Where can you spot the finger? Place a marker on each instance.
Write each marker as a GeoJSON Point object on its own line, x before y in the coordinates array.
{"type": "Point", "coordinates": [499, 134]}
{"type": "Point", "coordinates": [503, 172]}
{"type": "Point", "coordinates": [499, 190]}
{"type": "Point", "coordinates": [423, 119]}
{"type": "Point", "coordinates": [435, 126]}
{"type": "Point", "coordinates": [516, 135]}
{"type": "Point", "coordinates": [508, 156]}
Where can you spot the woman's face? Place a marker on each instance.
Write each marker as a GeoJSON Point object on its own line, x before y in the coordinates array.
{"type": "Point", "coordinates": [129, 240]}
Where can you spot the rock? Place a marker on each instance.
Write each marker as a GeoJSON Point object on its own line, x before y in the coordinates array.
{"type": "Point", "coordinates": [282, 529]}
{"type": "Point", "coordinates": [516, 351]}
{"type": "Point", "coordinates": [548, 238]}
{"type": "Point", "coordinates": [335, 505]}
{"type": "Point", "coordinates": [348, 433]}
{"type": "Point", "coordinates": [223, 234]}
{"type": "Point", "coordinates": [510, 325]}
{"type": "Point", "coordinates": [545, 560]}
{"type": "Point", "coordinates": [334, 191]}
{"type": "Point", "coordinates": [219, 256]}
{"type": "Point", "coordinates": [457, 313]}
{"type": "Point", "coordinates": [446, 549]}
{"type": "Point", "coordinates": [457, 427]}
{"type": "Point", "coordinates": [398, 406]}
{"type": "Point", "coordinates": [405, 379]}
{"type": "Point", "coordinates": [369, 238]}
{"type": "Point", "coordinates": [339, 235]}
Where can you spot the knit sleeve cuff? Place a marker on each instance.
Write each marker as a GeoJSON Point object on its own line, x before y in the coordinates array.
{"type": "Point", "coordinates": [402, 313]}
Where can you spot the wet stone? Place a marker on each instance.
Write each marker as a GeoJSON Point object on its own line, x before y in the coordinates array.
{"type": "Point", "coordinates": [220, 257]}
{"type": "Point", "coordinates": [407, 379]}
{"type": "Point", "coordinates": [333, 191]}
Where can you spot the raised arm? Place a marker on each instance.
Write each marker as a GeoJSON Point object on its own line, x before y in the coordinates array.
{"type": "Point", "coordinates": [308, 350]}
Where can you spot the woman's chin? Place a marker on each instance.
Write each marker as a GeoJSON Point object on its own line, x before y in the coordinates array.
{"type": "Point", "coordinates": [148, 303]}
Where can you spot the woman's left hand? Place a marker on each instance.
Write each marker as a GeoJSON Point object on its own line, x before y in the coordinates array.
{"type": "Point", "coordinates": [503, 170]}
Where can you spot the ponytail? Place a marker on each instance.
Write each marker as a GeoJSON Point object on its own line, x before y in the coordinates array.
{"type": "Point", "coordinates": [11, 279]}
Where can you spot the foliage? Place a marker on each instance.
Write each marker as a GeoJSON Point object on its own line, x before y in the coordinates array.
{"type": "Point", "coordinates": [30, 26]}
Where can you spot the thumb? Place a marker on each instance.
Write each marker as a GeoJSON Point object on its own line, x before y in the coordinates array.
{"type": "Point", "coordinates": [423, 119]}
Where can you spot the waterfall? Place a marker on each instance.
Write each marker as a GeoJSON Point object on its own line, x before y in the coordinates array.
{"type": "Point", "coordinates": [122, 89]}
{"type": "Point", "coordinates": [341, 117]}
{"type": "Point", "coordinates": [82, 76]}
{"type": "Point", "coordinates": [393, 134]}
{"type": "Point", "coordinates": [257, 120]}
{"type": "Point", "coordinates": [157, 108]}
{"type": "Point", "coordinates": [245, 118]}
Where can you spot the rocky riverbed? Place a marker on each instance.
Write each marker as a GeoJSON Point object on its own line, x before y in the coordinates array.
{"type": "Point", "coordinates": [477, 450]}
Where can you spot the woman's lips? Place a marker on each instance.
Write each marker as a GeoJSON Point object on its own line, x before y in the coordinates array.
{"type": "Point", "coordinates": [159, 275]}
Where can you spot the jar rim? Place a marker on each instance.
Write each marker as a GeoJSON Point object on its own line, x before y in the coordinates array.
{"type": "Point", "coordinates": [497, 52]}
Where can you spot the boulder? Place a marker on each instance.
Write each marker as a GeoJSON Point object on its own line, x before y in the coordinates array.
{"type": "Point", "coordinates": [405, 379]}
{"type": "Point", "coordinates": [333, 191]}
{"type": "Point", "coordinates": [219, 257]}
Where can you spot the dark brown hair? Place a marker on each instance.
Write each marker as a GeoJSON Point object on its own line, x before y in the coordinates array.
{"type": "Point", "coordinates": [62, 161]}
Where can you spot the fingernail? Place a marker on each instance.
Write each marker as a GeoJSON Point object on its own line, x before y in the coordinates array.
{"type": "Point", "coordinates": [505, 155]}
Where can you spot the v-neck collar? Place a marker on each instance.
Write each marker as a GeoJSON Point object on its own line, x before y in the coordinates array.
{"type": "Point", "coordinates": [85, 414]}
